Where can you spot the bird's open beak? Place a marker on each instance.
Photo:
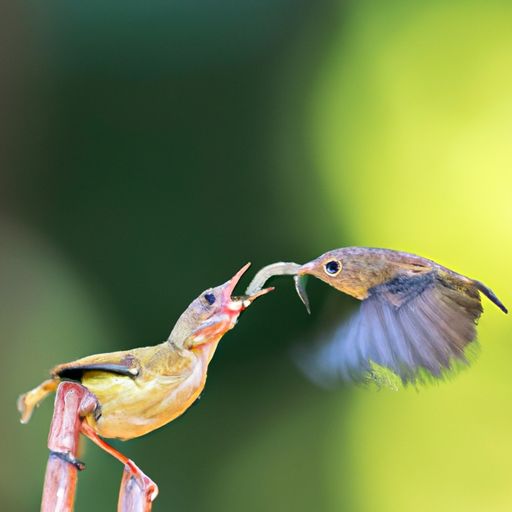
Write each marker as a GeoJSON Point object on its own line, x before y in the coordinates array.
{"type": "Point", "coordinates": [229, 310]}
{"type": "Point", "coordinates": [238, 304]}
{"type": "Point", "coordinates": [230, 285]}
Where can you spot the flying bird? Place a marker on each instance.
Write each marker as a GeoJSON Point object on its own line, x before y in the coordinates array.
{"type": "Point", "coordinates": [416, 317]}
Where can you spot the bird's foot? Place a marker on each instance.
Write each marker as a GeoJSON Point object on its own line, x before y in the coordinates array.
{"type": "Point", "coordinates": [146, 485]}
{"type": "Point", "coordinates": [137, 490]}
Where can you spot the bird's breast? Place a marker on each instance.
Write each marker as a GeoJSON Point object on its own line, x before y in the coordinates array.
{"type": "Point", "coordinates": [132, 407]}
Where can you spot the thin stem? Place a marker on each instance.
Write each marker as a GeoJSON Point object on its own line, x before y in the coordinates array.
{"type": "Point", "coordinates": [63, 465]}
{"type": "Point", "coordinates": [72, 402]}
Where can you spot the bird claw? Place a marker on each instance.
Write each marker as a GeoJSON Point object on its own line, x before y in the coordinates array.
{"type": "Point", "coordinates": [150, 488]}
{"type": "Point", "coordinates": [145, 484]}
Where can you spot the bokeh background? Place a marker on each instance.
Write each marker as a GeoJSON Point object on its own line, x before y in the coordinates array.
{"type": "Point", "coordinates": [150, 149]}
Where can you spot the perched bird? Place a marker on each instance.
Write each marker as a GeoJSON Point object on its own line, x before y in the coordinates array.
{"type": "Point", "coordinates": [416, 317]}
{"type": "Point", "coordinates": [140, 390]}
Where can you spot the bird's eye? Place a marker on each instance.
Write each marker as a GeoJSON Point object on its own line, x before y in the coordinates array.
{"type": "Point", "coordinates": [210, 298]}
{"type": "Point", "coordinates": [332, 267]}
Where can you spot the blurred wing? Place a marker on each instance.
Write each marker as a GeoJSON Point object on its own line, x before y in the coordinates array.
{"type": "Point", "coordinates": [415, 326]}
{"type": "Point", "coordinates": [121, 363]}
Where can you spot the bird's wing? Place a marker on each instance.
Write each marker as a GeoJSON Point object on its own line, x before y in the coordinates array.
{"type": "Point", "coordinates": [122, 363]}
{"type": "Point", "coordinates": [415, 326]}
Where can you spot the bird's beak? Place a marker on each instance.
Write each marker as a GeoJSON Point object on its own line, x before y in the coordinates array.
{"type": "Point", "coordinates": [238, 304]}
{"type": "Point", "coordinates": [247, 300]}
{"type": "Point", "coordinates": [306, 268]}
{"type": "Point", "coordinates": [230, 285]}
{"type": "Point", "coordinates": [230, 308]}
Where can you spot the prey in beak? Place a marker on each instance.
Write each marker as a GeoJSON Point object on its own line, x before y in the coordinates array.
{"type": "Point", "coordinates": [217, 310]}
{"type": "Point", "coordinates": [242, 302]}
{"type": "Point", "coordinates": [283, 268]}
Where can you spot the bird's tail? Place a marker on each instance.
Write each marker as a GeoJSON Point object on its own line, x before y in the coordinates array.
{"type": "Point", "coordinates": [490, 295]}
{"type": "Point", "coordinates": [31, 399]}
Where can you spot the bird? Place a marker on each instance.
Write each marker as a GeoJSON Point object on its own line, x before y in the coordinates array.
{"type": "Point", "coordinates": [140, 390]}
{"type": "Point", "coordinates": [416, 319]}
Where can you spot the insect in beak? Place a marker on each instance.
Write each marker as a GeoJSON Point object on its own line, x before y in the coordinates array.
{"type": "Point", "coordinates": [283, 268]}
{"type": "Point", "coordinates": [238, 304]}
{"type": "Point", "coordinates": [229, 309]}
{"type": "Point", "coordinates": [244, 301]}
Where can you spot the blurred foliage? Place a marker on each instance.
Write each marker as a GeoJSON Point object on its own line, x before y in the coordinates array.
{"type": "Point", "coordinates": [151, 150]}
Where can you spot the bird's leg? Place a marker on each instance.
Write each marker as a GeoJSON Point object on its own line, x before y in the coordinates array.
{"type": "Point", "coordinates": [72, 401]}
{"type": "Point", "coordinates": [147, 486]}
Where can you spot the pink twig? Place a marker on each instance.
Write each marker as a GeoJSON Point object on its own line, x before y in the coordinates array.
{"type": "Point", "coordinates": [72, 402]}
{"type": "Point", "coordinates": [62, 468]}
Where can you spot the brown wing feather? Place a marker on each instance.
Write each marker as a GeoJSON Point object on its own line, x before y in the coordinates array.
{"type": "Point", "coordinates": [411, 325]}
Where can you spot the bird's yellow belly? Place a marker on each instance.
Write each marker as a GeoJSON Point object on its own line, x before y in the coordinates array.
{"type": "Point", "coordinates": [133, 407]}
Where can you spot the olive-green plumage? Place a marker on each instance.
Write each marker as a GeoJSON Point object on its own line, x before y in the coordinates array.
{"type": "Point", "coordinates": [141, 389]}
{"type": "Point", "coordinates": [133, 392]}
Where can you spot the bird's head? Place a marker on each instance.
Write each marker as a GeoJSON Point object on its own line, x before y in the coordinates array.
{"type": "Point", "coordinates": [352, 270]}
{"type": "Point", "coordinates": [214, 312]}
{"type": "Point", "coordinates": [326, 267]}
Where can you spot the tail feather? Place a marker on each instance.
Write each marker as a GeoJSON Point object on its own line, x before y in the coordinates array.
{"type": "Point", "coordinates": [30, 400]}
{"type": "Point", "coordinates": [490, 295]}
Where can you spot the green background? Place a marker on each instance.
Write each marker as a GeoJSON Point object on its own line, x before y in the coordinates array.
{"type": "Point", "coordinates": [150, 149]}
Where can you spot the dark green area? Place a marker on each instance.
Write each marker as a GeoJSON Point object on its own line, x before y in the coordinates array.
{"type": "Point", "coordinates": [149, 152]}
